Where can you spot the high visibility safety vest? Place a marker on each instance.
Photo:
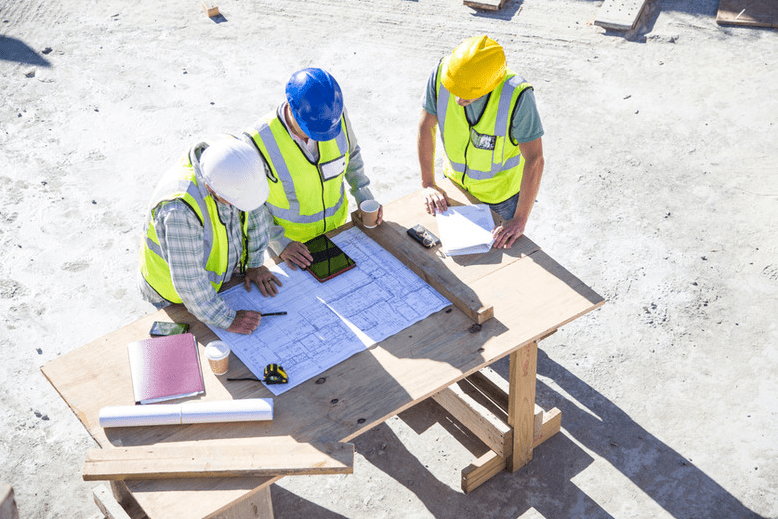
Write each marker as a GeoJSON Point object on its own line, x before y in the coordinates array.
{"type": "Point", "coordinates": [482, 157]}
{"type": "Point", "coordinates": [180, 182]}
{"type": "Point", "coordinates": [306, 198]}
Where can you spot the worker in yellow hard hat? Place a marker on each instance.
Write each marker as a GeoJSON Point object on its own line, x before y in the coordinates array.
{"type": "Point", "coordinates": [491, 133]}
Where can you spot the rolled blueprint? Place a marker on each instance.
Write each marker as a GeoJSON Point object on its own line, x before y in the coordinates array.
{"type": "Point", "coordinates": [244, 410]}
{"type": "Point", "coordinates": [132, 415]}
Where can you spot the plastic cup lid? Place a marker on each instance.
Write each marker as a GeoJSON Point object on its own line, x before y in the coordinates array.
{"type": "Point", "coordinates": [217, 350]}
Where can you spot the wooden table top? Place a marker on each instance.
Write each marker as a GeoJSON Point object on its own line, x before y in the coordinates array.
{"type": "Point", "coordinates": [532, 295]}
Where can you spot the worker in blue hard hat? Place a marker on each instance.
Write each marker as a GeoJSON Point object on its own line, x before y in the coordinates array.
{"type": "Point", "coordinates": [308, 149]}
{"type": "Point", "coordinates": [207, 221]}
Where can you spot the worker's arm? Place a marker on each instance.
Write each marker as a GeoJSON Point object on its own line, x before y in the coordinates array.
{"type": "Point", "coordinates": [509, 232]}
{"type": "Point", "coordinates": [434, 199]}
{"type": "Point", "coordinates": [180, 237]}
{"type": "Point", "coordinates": [355, 175]}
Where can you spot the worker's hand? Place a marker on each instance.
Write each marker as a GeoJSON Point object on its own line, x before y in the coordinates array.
{"type": "Point", "coordinates": [507, 233]}
{"type": "Point", "coordinates": [245, 322]}
{"type": "Point", "coordinates": [380, 217]}
{"type": "Point", "coordinates": [265, 280]}
{"type": "Point", "coordinates": [296, 254]}
{"type": "Point", "coordinates": [435, 200]}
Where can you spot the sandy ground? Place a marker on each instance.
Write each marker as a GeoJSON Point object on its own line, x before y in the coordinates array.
{"type": "Point", "coordinates": [660, 191]}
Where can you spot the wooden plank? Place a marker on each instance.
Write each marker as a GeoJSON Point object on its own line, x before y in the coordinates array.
{"type": "Point", "coordinates": [752, 13]}
{"type": "Point", "coordinates": [620, 15]}
{"type": "Point", "coordinates": [107, 504]}
{"type": "Point", "coordinates": [495, 433]}
{"type": "Point", "coordinates": [256, 457]}
{"type": "Point", "coordinates": [523, 368]}
{"type": "Point", "coordinates": [490, 5]}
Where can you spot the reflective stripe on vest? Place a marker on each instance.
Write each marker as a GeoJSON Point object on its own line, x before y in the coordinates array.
{"type": "Point", "coordinates": [481, 157]}
{"type": "Point", "coordinates": [306, 198]}
{"type": "Point", "coordinates": [180, 183]}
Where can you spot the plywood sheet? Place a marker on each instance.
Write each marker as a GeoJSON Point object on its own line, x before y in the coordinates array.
{"type": "Point", "coordinates": [753, 13]}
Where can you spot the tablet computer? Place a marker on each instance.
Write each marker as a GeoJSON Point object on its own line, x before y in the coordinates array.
{"type": "Point", "coordinates": [328, 259]}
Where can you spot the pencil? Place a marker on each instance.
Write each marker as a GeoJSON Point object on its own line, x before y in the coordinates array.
{"type": "Point", "coordinates": [273, 313]}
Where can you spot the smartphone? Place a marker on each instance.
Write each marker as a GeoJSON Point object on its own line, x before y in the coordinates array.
{"type": "Point", "coordinates": [328, 259]}
{"type": "Point", "coordinates": [422, 235]}
{"type": "Point", "coordinates": [160, 328]}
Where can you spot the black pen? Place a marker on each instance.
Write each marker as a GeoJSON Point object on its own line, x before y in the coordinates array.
{"type": "Point", "coordinates": [273, 313]}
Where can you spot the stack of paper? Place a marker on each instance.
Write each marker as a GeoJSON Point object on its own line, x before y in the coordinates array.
{"type": "Point", "coordinates": [466, 229]}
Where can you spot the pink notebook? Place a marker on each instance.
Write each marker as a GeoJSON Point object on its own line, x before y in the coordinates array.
{"type": "Point", "coordinates": [165, 368]}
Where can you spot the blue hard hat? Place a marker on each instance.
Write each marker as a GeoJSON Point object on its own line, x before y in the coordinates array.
{"type": "Point", "coordinates": [316, 102]}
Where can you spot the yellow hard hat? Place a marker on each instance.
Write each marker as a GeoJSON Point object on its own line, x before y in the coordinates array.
{"type": "Point", "coordinates": [475, 68]}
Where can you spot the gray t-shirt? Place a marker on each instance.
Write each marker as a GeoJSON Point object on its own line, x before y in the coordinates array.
{"type": "Point", "coordinates": [525, 125]}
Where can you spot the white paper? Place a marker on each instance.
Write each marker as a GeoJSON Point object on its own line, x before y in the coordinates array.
{"type": "Point", "coordinates": [466, 229]}
{"type": "Point", "coordinates": [326, 323]}
{"type": "Point", "coordinates": [243, 410]}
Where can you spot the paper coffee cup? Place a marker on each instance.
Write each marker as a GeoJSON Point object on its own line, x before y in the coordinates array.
{"type": "Point", "coordinates": [218, 354]}
{"type": "Point", "coordinates": [369, 210]}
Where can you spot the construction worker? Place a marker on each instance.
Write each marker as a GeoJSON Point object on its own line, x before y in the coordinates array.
{"type": "Point", "coordinates": [491, 133]}
{"type": "Point", "coordinates": [308, 148]}
{"type": "Point", "coordinates": [207, 219]}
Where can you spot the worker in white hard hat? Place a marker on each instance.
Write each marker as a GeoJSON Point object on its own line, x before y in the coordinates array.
{"type": "Point", "coordinates": [491, 134]}
{"type": "Point", "coordinates": [206, 221]}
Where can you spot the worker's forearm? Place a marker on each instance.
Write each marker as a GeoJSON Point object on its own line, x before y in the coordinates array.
{"type": "Point", "coordinates": [530, 185]}
{"type": "Point", "coordinates": [426, 150]}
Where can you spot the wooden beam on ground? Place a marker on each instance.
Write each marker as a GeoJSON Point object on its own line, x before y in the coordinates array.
{"type": "Point", "coordinates": [490, 464]}
{"type": "Point", "coordinates": [268, 456]}
{"type": "Point", "coordinates": [751, 13]}
{"type": "Point", "coordinates": [107, 504]}
{"type": "Point", "coordinates": [620, 15]}
{"type": "Point", "coordinates": [489, 5]}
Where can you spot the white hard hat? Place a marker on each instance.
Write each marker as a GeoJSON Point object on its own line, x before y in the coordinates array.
{"type": "Point", "coordinates": [233, 169]}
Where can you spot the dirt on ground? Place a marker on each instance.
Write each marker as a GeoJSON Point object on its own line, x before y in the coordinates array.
{"type": "Point", "coordinates": [660, 191]}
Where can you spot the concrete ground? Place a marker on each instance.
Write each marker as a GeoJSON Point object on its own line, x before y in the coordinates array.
{"type": "Point", "coordinates": [660, 191]}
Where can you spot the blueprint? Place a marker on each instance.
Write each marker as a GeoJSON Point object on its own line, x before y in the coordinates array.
{"type": "Point", "coordinates": [326, 323]}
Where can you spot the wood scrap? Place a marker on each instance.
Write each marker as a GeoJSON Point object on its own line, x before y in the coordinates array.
{"type": "Point", "coordinates": [751, 13]}
{"type": "Point", "coordinates": [620, 15]}
{"type": "Point", "coordinates": [490, 5]}
{"type": "Point", "coordinates": [211, 10]}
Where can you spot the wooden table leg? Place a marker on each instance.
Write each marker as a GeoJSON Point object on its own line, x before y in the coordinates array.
{"type": "Point", "coordinates": [521, 404]}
